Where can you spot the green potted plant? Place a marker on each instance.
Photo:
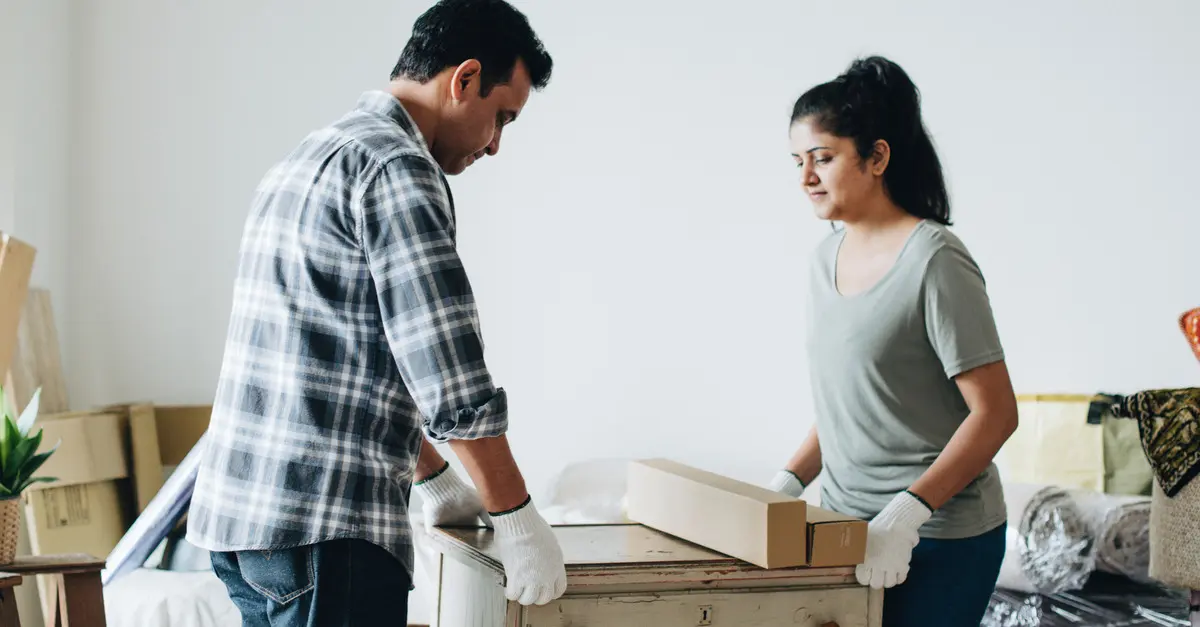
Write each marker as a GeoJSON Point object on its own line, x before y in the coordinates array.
{"type": "Point", "coordinates": [19, 459]}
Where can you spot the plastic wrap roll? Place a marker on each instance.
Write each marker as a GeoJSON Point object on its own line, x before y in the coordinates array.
{"type": "Point", "coordinates": [1120, 527]}
{"type": "Point", "coordinates": [1050, 547]}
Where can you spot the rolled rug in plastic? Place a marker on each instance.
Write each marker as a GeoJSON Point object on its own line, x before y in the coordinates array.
{"type": "Point", "coordinates": [1050, 547]}
{"type": "Point", "coordinates": [1120, 526]}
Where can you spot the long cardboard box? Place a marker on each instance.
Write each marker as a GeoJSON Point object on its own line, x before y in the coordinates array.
{"type": "Point", "coordinates": [742, 520]}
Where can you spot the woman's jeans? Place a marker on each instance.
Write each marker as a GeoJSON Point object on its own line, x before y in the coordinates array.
{"type": "Point", "coordinates": [949, 584]}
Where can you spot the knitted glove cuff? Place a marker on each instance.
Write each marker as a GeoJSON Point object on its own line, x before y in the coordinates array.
{"type": "Point", "coordinates": [519, 521]}
{"type": "Point", "coordinates": [905, 510]}
{"type": "Point", "coordinates": [787, 482]}
{"type": "Point", "coordinates": [441, 487]}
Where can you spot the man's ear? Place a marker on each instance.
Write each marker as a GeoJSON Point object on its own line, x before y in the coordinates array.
{"type": "Point", "coordinates": [880, 157]}
{"type": "Point", "coordinates": [464, 83]}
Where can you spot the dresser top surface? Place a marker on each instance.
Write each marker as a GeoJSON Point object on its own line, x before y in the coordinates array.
{"type": "Point", "coordinates": [595, 545]}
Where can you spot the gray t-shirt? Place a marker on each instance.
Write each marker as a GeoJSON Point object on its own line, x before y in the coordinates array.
{"type": "Point", "coordinates": [882, 365]}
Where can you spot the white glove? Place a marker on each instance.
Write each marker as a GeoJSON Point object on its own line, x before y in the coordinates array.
{"type": "Point", "coordinates": [787, 482]}
{"type": "Point", "coordinates": [446, 500]}
{"type": "Point", "coordinates": [891, 537]}
{"type": "Point", "coordinates": [532, 557]}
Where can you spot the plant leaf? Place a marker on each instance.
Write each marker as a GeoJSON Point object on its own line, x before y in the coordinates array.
{"type": "Point", "coordinates": [31, 412]}
{"type": "Point", "coordinates": [4, 491]}
{"type": "Point", "coordinates": [36, 462]}
{"type": "Point", "coordinates": [11, 438]}
{"type": "Point", "coordinates": [29, 482]}
{"type": "Point", "coordinates": [15, 470]}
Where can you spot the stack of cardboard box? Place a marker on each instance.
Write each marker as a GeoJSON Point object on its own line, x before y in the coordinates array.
{"type": "Point", "coordinates": [110, 463]}
{"type": "Point", "coordinates": [111, 460]}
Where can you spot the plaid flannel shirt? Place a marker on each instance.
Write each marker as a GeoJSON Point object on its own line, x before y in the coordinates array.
{"type": "Point", "coordinates": [353, 331]}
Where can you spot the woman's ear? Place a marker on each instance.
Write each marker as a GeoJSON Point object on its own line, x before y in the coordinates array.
{"type": "Point", "coordinates": [880, 157]}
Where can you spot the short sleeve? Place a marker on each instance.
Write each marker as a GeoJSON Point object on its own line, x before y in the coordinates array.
{"type": "Point", "coordinates": [958, 313]}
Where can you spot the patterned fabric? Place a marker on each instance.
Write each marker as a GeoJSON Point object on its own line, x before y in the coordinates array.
{"type": "Point", "coordinates": [353, 329]}
{"type": "Point", "coordinates": [1169, 428]}
{"type": "Point", "coordinates": [1190, 323]}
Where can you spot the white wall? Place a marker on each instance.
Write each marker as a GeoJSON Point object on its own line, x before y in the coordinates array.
{"type": "Point", "coordinates": [639, 245]}
{"type": "Point", "coordinates": [35, 124]}
{"type": "Point", "coordinates": [36, 108]}
{"type": "Point", "coordinates": [42, 150]}
{"type": "Point", "coordinates": [8, 107]}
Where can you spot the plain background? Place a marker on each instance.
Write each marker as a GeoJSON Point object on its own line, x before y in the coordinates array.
{"type": "Point", "coordinates": [639, 245]}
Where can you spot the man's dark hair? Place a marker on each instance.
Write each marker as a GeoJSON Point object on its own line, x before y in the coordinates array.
{"type": "Point", "coordinates": [491, 31]}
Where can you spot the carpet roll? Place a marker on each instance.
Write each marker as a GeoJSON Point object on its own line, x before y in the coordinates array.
{"type": "Point", "coordinates": [1120, 527]}
{"type": "Point", "coordinates": [1050, 545]}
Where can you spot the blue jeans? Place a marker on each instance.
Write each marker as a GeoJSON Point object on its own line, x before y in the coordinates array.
{"type": "Point", "coordinates": [949, 582]}
{"type": "Point", "coordinates": [340, 583]}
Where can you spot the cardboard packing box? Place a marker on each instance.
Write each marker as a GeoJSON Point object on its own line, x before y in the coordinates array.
{"type": "Point", "coordinates": [160, 436]}
{"type": "Point", "coordinates": [749, 522]}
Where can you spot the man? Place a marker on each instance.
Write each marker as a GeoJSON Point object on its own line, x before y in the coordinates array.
{"type": "Point", "coordinates": [353, 332]}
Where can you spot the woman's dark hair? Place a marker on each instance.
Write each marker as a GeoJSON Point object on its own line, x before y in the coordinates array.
{"type": "Point", "coordinates": [875, 99]}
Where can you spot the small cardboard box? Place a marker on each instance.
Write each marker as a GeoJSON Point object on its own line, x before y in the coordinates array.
{"type": "Point", "coordinates": [834, 539]}
{"type": "Point", "coordinates": [739, 519]}
{"type": "Point", "coordinates": [82, 518]}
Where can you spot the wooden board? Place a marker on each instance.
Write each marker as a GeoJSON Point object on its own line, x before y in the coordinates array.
{"type": "Point", "coordinates": [37, 361]}
{"type": "Point", "coordinates": [54, 564]}
{"type": "Point", "coordinates": [16, 266]}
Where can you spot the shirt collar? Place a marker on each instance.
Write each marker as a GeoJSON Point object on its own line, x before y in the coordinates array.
{"type": "Point", "coordinates": [385, 104]}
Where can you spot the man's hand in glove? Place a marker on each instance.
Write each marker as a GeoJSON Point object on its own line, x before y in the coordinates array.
{"type": "Point", "coordinates": [447, 500]}
{"type": "Point", "coordinates": [532, 557]}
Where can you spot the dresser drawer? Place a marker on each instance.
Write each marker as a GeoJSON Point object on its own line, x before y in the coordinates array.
{"type": "Point", "coordinates": [811, 607]}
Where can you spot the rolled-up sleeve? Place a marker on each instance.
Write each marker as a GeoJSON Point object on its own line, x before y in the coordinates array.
{"type": "Point", "coordinates": [429, 317]}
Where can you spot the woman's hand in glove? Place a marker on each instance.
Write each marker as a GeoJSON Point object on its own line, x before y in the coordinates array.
{"type": "Point", "coordinates": [891, 537]}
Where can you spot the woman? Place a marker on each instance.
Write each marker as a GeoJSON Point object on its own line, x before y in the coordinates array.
{"type": "Point", "coordinates": [911, 392]}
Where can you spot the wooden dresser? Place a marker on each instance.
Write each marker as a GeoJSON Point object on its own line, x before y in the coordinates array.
{"type": "Point", "coordinates": [632, 576]}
